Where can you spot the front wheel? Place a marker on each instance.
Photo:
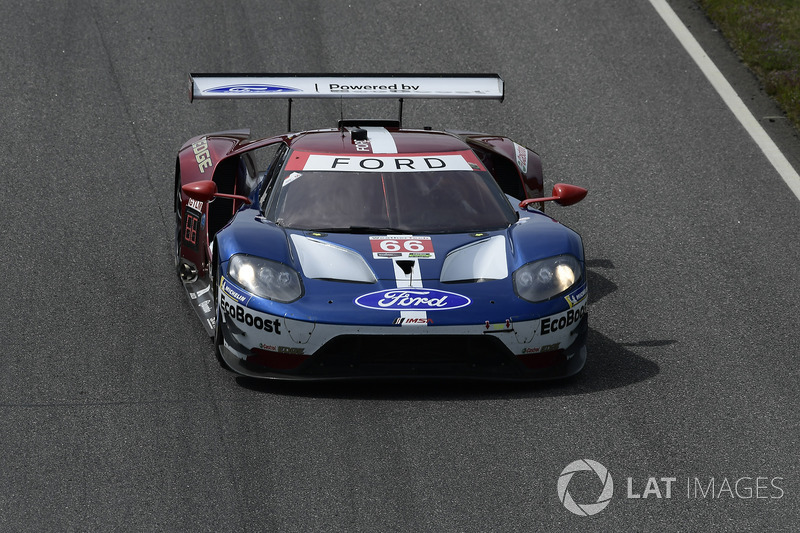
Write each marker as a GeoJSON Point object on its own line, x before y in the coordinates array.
{"type": "Point", "coordinates": [218, 344]}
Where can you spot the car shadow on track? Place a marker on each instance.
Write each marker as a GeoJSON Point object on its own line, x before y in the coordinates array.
{"type": "Point", "coordinates": [609, 365]}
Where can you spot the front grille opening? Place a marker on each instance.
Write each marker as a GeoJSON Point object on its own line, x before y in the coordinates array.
{"type": "Point", "coordinates": [413, 350]}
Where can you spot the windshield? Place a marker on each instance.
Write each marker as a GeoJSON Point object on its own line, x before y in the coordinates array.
{"type": "Point", "coordinates": [429, 201]}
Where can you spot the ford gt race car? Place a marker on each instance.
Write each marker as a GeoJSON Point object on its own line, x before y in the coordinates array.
{"type": "Point", "coordinates": [373, 250]}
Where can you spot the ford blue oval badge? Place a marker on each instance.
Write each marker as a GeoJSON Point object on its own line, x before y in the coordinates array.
{"type": "Point", "coordinates": [252, 88]}
{"type": "Point", "coordinates": [412, 299]}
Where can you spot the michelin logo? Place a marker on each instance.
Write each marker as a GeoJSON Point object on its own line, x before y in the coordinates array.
{"type": "Point", "coordinates": [576, 297]}
{"type": "Point", "coordinates": [234, 293]}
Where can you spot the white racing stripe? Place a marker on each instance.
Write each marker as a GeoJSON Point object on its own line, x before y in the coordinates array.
{"type": "Point", "coordinates": [405, 281]}
{"type": "Point", "coordinates": [729, 96]}
{"type": "Point", "coordinates": [381, 140]}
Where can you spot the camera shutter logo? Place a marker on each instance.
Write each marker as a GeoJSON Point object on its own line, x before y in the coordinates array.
{"type": "Point", "coordinates": [585, 509]}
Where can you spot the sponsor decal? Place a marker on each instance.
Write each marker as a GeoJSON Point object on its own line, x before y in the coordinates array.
{"type": "Point", "coordinates": [412, 299]}
{"type": "Point", "coordinates": [412, 321]}
{"type": "Point", "coordinates": [240, 296]}
{"type": "Point", "coordinates": [291, 350]}
{"type": "Point", "coordinates": [521, 154]}
{"type": "Point", "coordinates": [577, 297]}
{"type": "Point", "coordinates": [542, 349]}
{"type": "Point", "coordinates": [394, 163]}
{"type": "Point", "coordinates": [195, 204]}
{"type": "Point", "coordinates": [196, 295]}
{"type": "Point", "coordinates": [250, 88]}
{"type": "Point", "coordinates": [201, 154]}
{"type": "Point", "coordinates": [394, 87]}
{"type": "Point", "coordinates": [362, 146]}
{"type": "Point", "coordinates": [554, 323]}
{"type": "Point", "coordinates": [240, 314]}
{"type": "Point", "coordinates": [386, 160]}
{"type": "Point", "coordinates": [290, 178]}
{"type": "Point", "coordinates": [394, 246]}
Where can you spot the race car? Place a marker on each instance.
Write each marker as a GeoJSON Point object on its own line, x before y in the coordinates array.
{"type": "Point", "coordinates": [372, 250]}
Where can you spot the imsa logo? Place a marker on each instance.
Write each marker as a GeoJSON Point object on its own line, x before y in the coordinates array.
{"type": "Point", "coordinates": [403, 321]}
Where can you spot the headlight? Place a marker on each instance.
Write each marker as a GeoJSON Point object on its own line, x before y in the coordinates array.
{"type": "Point", "coordinates": [542, 280]}
{"type": "Point", "coordinates": [268, 279]}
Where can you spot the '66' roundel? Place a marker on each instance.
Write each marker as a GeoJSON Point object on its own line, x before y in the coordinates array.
{"type": "Point", "coordinates": [412, 299]}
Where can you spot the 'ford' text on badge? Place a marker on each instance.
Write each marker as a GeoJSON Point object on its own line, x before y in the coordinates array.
{"type": "Point", "coordinates": [252, 88]}
{"type": "Point", "coordinates": [416, 299]}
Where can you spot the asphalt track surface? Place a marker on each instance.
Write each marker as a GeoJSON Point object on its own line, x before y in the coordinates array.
{"type": "Point", "coordinates": [114, 414]}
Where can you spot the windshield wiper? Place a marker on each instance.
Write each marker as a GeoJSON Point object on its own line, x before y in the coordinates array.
{"type": "Point", "coordinates": [362, 230]}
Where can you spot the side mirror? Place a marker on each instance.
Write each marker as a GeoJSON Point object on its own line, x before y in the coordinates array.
{"type": "Point", "coordinates": [205, 191]}
{"type": "Point", "coordinates": [563, 194]}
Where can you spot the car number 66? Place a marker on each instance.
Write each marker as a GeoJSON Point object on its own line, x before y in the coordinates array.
{"type": "Point", "coordinates": [409, 245]}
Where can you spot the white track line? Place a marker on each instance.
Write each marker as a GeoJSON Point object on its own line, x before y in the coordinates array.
{"type": "Point", "coordinates": [729, 96]}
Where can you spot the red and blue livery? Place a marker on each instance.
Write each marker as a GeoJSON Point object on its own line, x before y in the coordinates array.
{"type": "Point", "coordinates": [372, 250]}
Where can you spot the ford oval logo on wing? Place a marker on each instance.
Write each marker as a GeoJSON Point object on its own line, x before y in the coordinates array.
{"type": "Point", "coordinates": [412, 299]}
{"type": "Point", "coordinates": [253, 88]}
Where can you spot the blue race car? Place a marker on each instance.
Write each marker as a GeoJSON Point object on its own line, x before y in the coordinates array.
{"type": "Point", "coordinates": [372, 250]}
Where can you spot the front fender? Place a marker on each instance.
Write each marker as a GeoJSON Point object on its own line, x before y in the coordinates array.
{"type": "Point", "coordinates": [197, 160]}
{"type": "Point", "coordinates": [537, 236]}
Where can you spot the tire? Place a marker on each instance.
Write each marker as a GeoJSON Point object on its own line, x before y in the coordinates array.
{"type": "Point", "coordinates": [218, 344]}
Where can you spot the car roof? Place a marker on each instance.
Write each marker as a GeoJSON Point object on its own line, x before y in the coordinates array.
{"type": "Point", "coordinates": [377, 140]}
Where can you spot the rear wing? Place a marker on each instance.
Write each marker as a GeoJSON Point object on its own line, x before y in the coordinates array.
{"type": "Point", "coordinates": [399, 86]}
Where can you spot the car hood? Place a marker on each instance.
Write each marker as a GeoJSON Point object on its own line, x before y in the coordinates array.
{"type": "Point", "coordinates": [342, 273]}
{"type": "Point", "coordinates": [360, 257]}
{"type": "Point", "coordinates": [367, 258]}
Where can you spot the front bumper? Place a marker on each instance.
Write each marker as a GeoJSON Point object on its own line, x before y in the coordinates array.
{"type": "Point", "coordinates": [260, 345]}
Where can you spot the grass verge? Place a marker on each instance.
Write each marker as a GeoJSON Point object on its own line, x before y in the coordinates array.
{"type": "Point", "coordinates": [766, 35]}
